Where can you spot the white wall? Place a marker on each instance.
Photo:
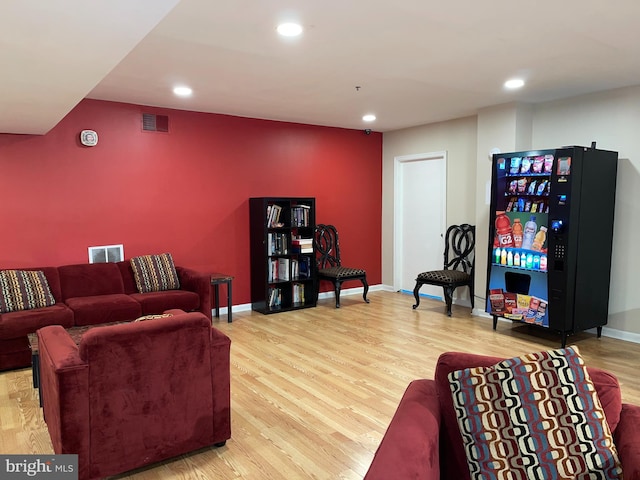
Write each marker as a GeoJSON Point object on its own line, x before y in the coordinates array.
{"type": "Point", "coordinates": [458, 138]}
{"type": "Point", "coordinates": [507, 128]}
{"type": "Point", "coordinates": [612, 119]}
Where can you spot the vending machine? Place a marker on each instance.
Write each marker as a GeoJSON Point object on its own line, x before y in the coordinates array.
{"type": "Point", "coordinates": [550, 238]}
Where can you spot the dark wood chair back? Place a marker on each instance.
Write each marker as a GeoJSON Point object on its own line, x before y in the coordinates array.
{"type": "Point", "coordinates": [327, 247]}
{"type": "Point", "coordinates": [459, 250]}
{"type": "Point", "coordinates": [459, 264]}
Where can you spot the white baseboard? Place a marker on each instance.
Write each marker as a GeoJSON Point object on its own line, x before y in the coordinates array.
{"type": "Point", "coordinates": [476, 312]}
{"type": "Point", "coordinates": [618, 334]}
{"type": "Point", "coordinates": [352, 291]}
{"type": "Point", "coordinates": [246, 307]}
{"type": "Point", "coordinates": [606, 331]}
{"type": "Point", "coordinates": [481, 313]}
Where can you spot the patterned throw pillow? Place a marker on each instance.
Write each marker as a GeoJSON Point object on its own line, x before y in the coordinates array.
{"type": "Point", "coordinates": [24, 290]}
{"type": "Point", "coordinates": [534, 417]}
{"type": "Point", "coordinates": [153, 317]}
{"type": "Point", "coordinates": [154, 273]}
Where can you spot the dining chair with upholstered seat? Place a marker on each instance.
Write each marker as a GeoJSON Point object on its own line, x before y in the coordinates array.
{"type": "Point", "coordinates": [459, 262]}
{"type": "Point", "coordinates": [330, 265]}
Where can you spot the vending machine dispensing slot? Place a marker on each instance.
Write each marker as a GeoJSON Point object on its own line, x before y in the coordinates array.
{"type": "Point", "coordinates": [517, 283]}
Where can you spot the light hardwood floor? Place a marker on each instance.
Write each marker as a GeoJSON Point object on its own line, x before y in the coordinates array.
{"type": "Point", "coordinates": [313, 390]}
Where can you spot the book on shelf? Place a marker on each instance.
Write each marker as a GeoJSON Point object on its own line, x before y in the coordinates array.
{"type": "Point", "coordinates": [302, 241]}
{"type": "Point", "coordinates": [273, 269]}
{"type": "Point", "coordinates": [298, 293]}
{"type": "Point", "coordinates": [277, 243]}
{"type": "Point", "coordinates": [275, 297]}
{"type": "Point", "coordinates": [304, 267]}
{"type": "Point", "coordinates": [283, 269]}
{"type": "Point", "coordinates": [273, 215]}
{"type": "Point", "coordinates": [302, 245]}
{"type": "Point", "coordinates": [300, 215]}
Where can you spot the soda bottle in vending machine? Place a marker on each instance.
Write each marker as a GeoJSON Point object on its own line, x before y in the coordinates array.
{"type": "Point", "coordinates": [529, 233]}
{"type": "Point", "coordinates": [539, 239]}
{"type": "Point", "coordinates": [516, 231]}
{"type": "Point", "coordinates": [504, 231]}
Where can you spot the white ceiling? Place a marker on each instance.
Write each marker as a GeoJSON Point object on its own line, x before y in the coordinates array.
{"type": "Point", "coordinates": [416, 61]}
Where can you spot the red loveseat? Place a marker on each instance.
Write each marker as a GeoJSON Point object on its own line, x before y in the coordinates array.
{"type": "Point", "coordinates": [135, 393]}
{"type": "Point", "coordinates": [89, 294]}
{"type": "Point", "coordinates": [423, 441]}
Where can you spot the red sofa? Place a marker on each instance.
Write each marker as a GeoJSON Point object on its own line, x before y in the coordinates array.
{"type": "Point", "coordinates": [423, 441]}
{"type": "Point", "coordinates": [89, 294]}
{"type": "Point", "coordinates": [135, 393]}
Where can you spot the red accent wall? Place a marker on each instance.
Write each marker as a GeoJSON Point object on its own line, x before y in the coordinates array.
{"type": "Point", "coordinates": [185, 192]}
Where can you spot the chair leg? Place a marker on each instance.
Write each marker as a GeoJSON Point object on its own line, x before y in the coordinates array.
{"type": "Point", "coordinates": [337, 285]}
{"type": "Point", "coordinates": [448, 297]}
{"type": "Point", "coordinates": [366, 289]}
{"type": "Point", "coordinates": [472, 295]}
{"type": "Point", "coordinates": [416, 295]}
{"type": "Point", "coordinates": [317, 290]}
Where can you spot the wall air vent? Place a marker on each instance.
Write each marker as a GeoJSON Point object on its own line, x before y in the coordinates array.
{"type": "Point", "coordinates": [155, 123]}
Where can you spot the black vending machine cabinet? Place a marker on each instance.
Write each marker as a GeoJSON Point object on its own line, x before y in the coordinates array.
{"type": "Point", "coordinates": [550, 238]}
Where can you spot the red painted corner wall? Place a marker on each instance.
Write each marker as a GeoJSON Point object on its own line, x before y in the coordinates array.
{"type": "Point", "coordinates": [184, 192]}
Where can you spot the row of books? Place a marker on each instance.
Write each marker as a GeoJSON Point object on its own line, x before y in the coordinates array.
{"type": "Point", "coordinates": [299, 215]}
{"type": "Point", "coordinates": [302, 245]}
{"type": "Point", "coordinates": [301, 268]}
{"type": "Point", "coordinates": [279, 268]}
{"type": "Point", "coordinates": [273, 216]}
{"type": "Point", "coordinates": [275, 297]}
{"type": "Point", "coordinates": [277, 243]}
{"type": "Point", "coordinates": [298, 293]}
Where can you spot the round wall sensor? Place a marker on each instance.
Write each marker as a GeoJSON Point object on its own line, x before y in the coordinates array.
{"type": "Point", "coordinates": [492, 152]}
{"type": "Point", "coordinates": [89, 138]}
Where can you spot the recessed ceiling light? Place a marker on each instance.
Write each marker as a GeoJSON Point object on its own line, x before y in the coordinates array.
{"type": "Point", "coordinates": [289, 29]}
{"type": "Point", "coordinates": [183, 91]}
{"type": "Point", "coordinates": [369, 117]}
{"type": "Point", "coordinates": [514, 83]}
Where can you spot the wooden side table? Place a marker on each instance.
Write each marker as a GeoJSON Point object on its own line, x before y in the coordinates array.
{"type": "Point", "coordinates": [216, 280]}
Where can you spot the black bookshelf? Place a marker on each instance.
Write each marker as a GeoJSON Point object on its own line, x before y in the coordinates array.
{"type": "Point", "coordinates": [282, 254]}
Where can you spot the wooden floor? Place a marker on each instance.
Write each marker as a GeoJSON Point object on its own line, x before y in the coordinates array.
{"type": "Point", "coordinates": [313, 390]}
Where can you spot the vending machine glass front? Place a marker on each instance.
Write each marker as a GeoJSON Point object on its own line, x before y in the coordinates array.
{"type": "Point", "coordinates": [517, 271]}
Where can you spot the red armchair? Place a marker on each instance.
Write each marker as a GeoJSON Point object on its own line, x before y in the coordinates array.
{"type": "Point", "coordinates": [423, 441]}
{"type": "Point", "coordinates": [133, 394]}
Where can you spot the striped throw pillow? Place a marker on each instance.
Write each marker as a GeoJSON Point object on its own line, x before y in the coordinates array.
{"type": "Point", "coordinates": [534, 417]}
{"type": "Point", "coordinates": [155, 273]}
{"type": "Point", "coordinates": [24, 290]}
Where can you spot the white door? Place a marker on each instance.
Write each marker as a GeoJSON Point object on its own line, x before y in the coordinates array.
{"type": "Point", "coordinates": [420, 219]}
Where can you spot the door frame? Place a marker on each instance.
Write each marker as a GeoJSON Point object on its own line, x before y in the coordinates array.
{"type": "Point", "coordinates": [398, 163]}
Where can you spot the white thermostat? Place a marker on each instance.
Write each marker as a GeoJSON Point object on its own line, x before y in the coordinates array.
{"type": "Point", "coordinates": [89, 138]}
